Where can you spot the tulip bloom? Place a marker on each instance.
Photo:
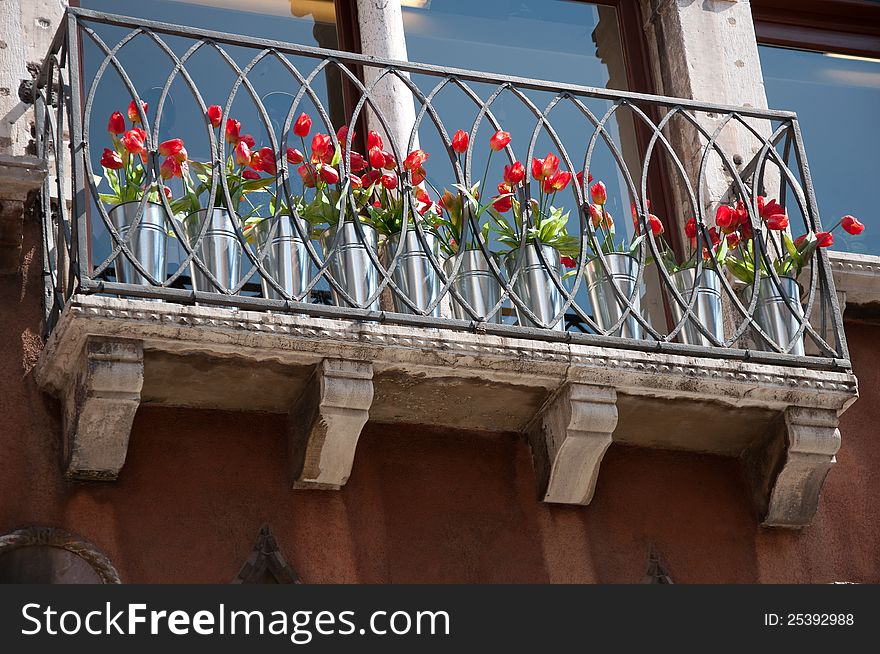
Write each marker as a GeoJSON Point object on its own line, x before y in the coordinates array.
{"type": "Point", "coordinates": [514, 173]}
{"type": "Point", "coordinates": [134, 140]}
{"type": "Point", "coordinates": [250, 174]}
{"type": "Point", "coordinates": [777, 222]}
{"type": "Point", "coordinates": [171, 148]}
{"type": "Point", "coordinates": [596, 215]}
{"type": "Point", "coordinates": [800, 240]}
{"type": "Point", "coordinates": [598, 193]}
{"type": "Point", "coordinates": [502, 204]}
{"type": "Point", "coordinates": [580, 178]}
{"type": "Point", "coordinates": [390, 162]}
{"type": "Point", "coordinates": [852, 225]}
{"type": "Point", "coordinates": [233, 129]}
{"type": "Point", "coordinates": [329, 174]}
{"type": "Point", "coordinates": [655, 225]}
{"type": "Point", "coordinates": [374, 141]}
{"type": "Point", "coordinates": [377, 157]}
{"type": "Point", "coordinates": [111, 159]}
{"type": "Point", "coordinates": [248, 140]}
{"type": "Point", "coordinates": [308, 177]}
{"type": "Point", "coordinates": [557, 182]}
{"type": "Point", "coordinates": [422, 195]}
{"type": "Point", "coordinates": [460, 141]}
{"type": "Point", "coordinates": [733, 240]}
{"type": "Point", "coordinates": [133, 114]}
{"type": "Point", "coordinates": [302, 126]}
{"type": "Point", "coordinates": [418, 176]}
{"type": "Point", "coordinates": [294, 156]}
{"type": "Point", "coordinates": [767, 209]}
{"type": "Point", "coordinates": [826, 239]}
{"type": "Point", "coordinates": [371, 177]}
{"type": "Point", "coordinates": [546, 167]}
{"type": "Point", "coordinates": [389, 182]}
{"type": "Point", "coordinates": [356, 162]}
{"type": "Point", "coordinates": [170, 168]}
{"type": "Point", "coordinates": [215, 114]}
{"type": "Point", "coordinates": [690, 229]}
{"type": "Point", "coordinates": [726, 218]}
{"type": "Point", "coordinates": [342, 135]}
{"type": "Point", "coordinates": [322, 147]}
{"type": "Point", "coordinates": [242, 154]}
{"type": "Point", "coordinates": [356, 182]}
{"type": "Point", "coordinates": [415, 159]}
{"type": "Point", "coordinates": [265, 160]}
{"type": "Point", "coordinates": [568, 262]}
{"type": "Point", "coordinates": [167, 192]}
{"type": "Point", "coordinates": [499, 140]}
{"type": "Point", "coordinates": [116, 124]}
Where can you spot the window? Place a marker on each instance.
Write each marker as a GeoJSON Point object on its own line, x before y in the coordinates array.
{"type": "Point", "coordinates": [822, 60]}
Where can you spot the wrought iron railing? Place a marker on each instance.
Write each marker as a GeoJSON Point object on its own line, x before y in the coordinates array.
{"type": "Point", "coordinates": [386, 249]}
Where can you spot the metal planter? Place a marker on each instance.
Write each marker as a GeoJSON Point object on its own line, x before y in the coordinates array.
{"type": "Point", "coordinates": [414, 274]}
{"type": "Point", "coordinates": [608, 307]}
{"type": "Point", "coordinates": [476, 284]}
{"type": "Point", "coordinates": [706, 309]}
{"type": "Point", "coordinates": [350, 263]}
{"type": "Point", "coordinates": [285, 255]}
{"type": "Point", "coordinates": [534, 285]}
{"type": "Point", "coordinates": [147, 243]}
{"type": "Point", "coordinates": [220, 249]}
{"type": "Point", "coordinates": [773, 315]}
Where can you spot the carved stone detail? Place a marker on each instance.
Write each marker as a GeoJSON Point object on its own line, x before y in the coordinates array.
{"type": "Point", "coordinates": [100, 402]}
{"type": "Point", "coordinates": [569, 440]}
{"type": "Point", "coordinates": [788, 469]}
{"type": "Point", "coordinates": [326, 423]}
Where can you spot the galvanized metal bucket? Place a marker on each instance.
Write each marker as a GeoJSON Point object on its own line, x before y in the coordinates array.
{"type": "Point", "coordinates": [773, 315]}
{"type": "Point", "coordinates": [350, 263]}
{"type": "Point", "coordinates": [534, 285]}
{"type": "Point", "coordinates": [414, 273]}
{"type": "Point", "coordinates": [147, 243]}
{"type": "Point", "coordinates": [706, 309]}
{"type": "Point", "coordinates": [607, 306]}
{"type": "Point", "coordinates": [285, 255]}
{"type": "Point", "coordinates": [476, 284]}
{"type": "Point", "coordinates": [219, 249]}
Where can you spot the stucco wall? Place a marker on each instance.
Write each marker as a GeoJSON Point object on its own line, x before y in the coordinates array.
{"type": "Point", "coordinates": [421, 505]}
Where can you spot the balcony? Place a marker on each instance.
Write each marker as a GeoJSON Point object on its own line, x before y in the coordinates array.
{"type": "Point", "coordinates": [316, 287]}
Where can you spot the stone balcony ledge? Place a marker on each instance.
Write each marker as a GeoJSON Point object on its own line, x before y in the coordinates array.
{"type": "Point", "coordinates": [107, 356]}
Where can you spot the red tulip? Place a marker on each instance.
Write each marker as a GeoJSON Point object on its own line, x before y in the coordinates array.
{"type": "Point", "coordinates": [557, 182]}
{"type": "Point", "coordinates": [546, 167]}
{"type": "Point", "coordinates": [377, 157]}
{"type": "Point", "coordinates": [514, 173]}
{"type": "Point", "coordinates": [170, 168]}
{"type": "Point", "coordinates": [568, 262]}
{"type": "Point", "coordinates": [294, 156]}
{"type": "Point", "coordinates": [852, 225]}
{"type": "Point", "coordinates": [308, 177]}
{"type": "Point", "coordinates": [263, 160]}
{"type": "Point", "coordinates": [418, 176]}
{"type": "Point", "coordinates": [248, 140]}
{"type": "Point", "coordinates": [134, 140]}
{"type": "Point", "coordinates": [800, 240]}
{"type": "Point", "coordinates": [356, 182]}
{"type": "Point", "coordinates": [726, 218]}
{"type": "Point", "coordinates": [233, 128]}
{"type": "Point", "coordinates": [502, 205]}
{"type": "Point", "coordinates": [598, 193]}
{"type": "Point", "coordinates": [733, 240]}
{"type": "Point", "coordinates": [111, 159]}
{"type": "Point", "coordinates": [116, 124]}
{"type": "Point", "coordinates": [596, 215]}
{"type": "Point", "coordinates": [356, 162]}
{"type": "Point", "coordinates": [655, 225]}
{"type": "Point", "coordinates": [460, 141]}
{"type": "Point", "coordinates": [377, 204]}
{"type": "Point", "coordinates": [415, 159]}
{"type": "Point", "coordinates": [171, 148]}
{"type": "Point", "coordinates": [133, 114]}
{"type": "Point", "coordinates": [167, 192]}
{"type": "Point", "coordinates": [342, 135]}
{"type": "Point", "coordinates": [329, 174]}
{"type": "Point", "coordinates": [767, 209]}
{"type": "Point", "coordinates": [389, 182]}
{"type": "Point", "coordinates": [690, 228]}
{"type": "Point", "coordinates": [250, 174]}
{"type": "Point", "coordinates": [422, 195]}
{"type": "Point", "coordinates": [215, 114]}
{"type": "Point", "coordinates": [322, 147]}
{"type": "Point", "coordinates": [371, 177]}
{"type": "Point", "coordinates": [302, 126]}
{"type": "Point", "coordinates": [777, 222]}
{"type": "Point", "coordinates": [499, 140]}
{"type": "Point", "coordinates": [242, 154]}
{"type": "Point", "coordinates": [714, 236]}
{"type": "Point", "coordinates": [580, 178]}
{"type": "Point", "coordinates": [374, 141]}
{"type": "Point", "coordinates": [826, 239]}
{"type": "Point", "coordinates": [390, 162]}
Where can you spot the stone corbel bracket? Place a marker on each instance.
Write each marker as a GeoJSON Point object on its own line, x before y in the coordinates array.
{"type": "Point", "coordinates": [788, 469]}
{"type": "Point", "coordinates": [569, 440]}
{"type": "Point", "coordinates": [326, 422]}
{"type": "Point", "coordinates": [100, 394]}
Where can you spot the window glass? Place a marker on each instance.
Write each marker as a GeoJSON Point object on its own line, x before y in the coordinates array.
{"type": "Point", "coordinates": [836, 99]}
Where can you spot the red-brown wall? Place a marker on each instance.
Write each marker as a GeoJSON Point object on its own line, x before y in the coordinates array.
{"type": "Point", "coordinates": [421, 505]}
